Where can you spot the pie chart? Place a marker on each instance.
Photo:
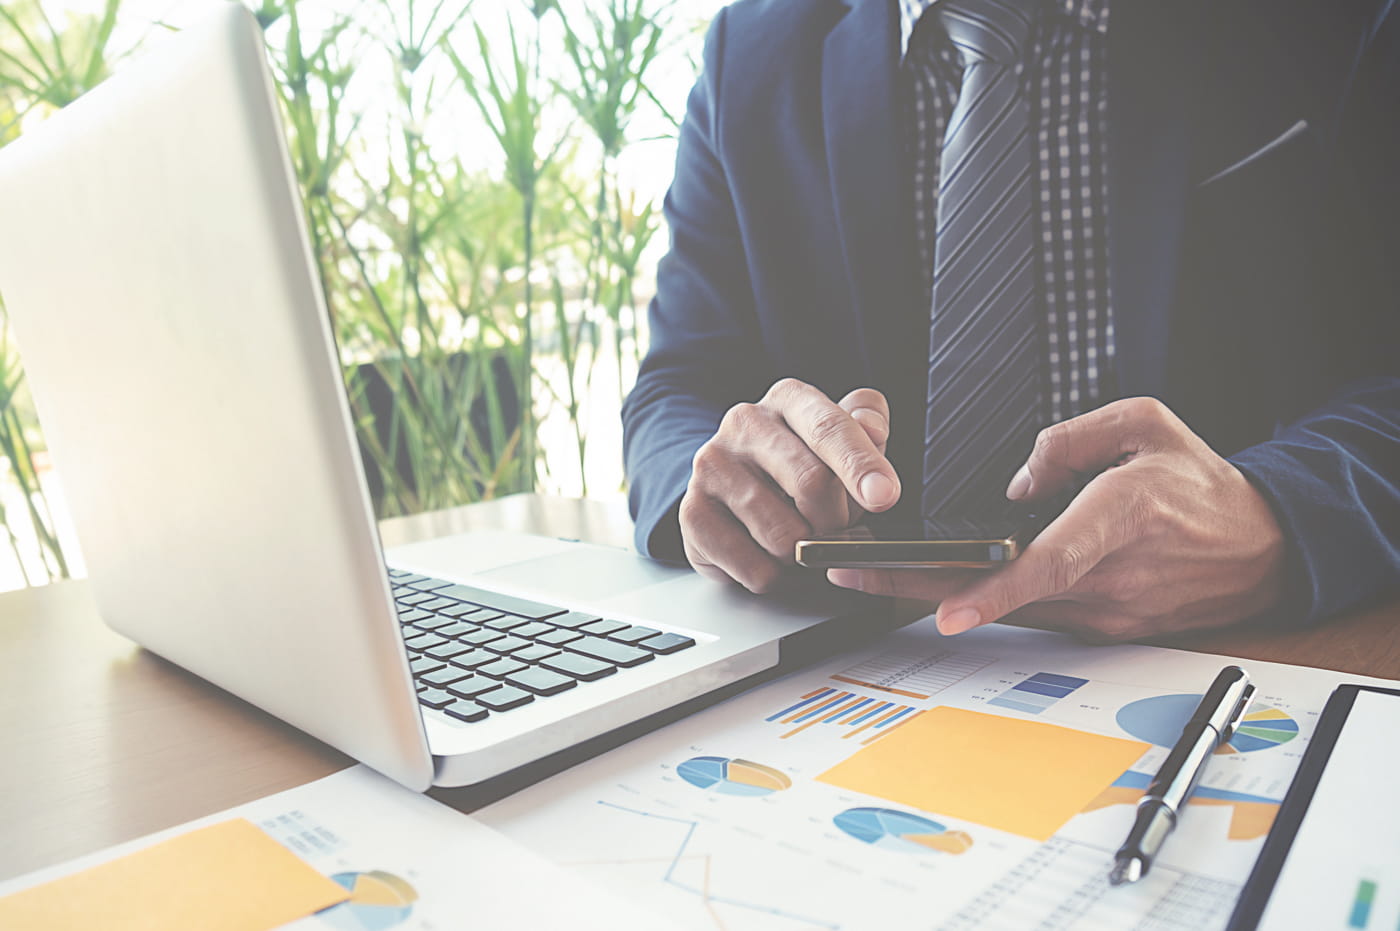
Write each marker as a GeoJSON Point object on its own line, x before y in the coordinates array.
{"type": "Point", "coordinates": [900, 831]}
{"type": "Point", "coordinates": [378, 901]}
{"type": "Point", "coordinates": [733, 777]}
{"type": "Point", "coordinates": [1159, 721]}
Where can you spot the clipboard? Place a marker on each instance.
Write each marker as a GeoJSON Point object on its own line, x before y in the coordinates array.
{"type": "Point", "coordinates": [1259, 888]}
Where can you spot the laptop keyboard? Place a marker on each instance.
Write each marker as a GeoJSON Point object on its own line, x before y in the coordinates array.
{"type": "Point", "coordinates": [475, 653]}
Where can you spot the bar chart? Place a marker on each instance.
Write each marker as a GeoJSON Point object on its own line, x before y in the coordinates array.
{"type": "Point", "coordinates": [860, 715]}
{"type": "Point", "coordinates": [1038, 692]}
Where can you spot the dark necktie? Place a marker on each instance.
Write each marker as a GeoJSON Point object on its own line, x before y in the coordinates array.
{"type": "Point", "coordinates": [985, 342]}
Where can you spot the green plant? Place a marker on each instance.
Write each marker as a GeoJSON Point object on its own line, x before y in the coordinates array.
{"type": "Point", "coordinates": [49, 66]}
{"type": "Point", "coordinates": [474, 287]}
{"type": "Point", "coordinates": [18, 431]}
{"type": "Point", "coordinates": [508, 99]}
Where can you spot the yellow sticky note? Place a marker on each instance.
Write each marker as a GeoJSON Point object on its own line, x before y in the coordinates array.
{"type": "Point", "coordinates": [1024, 777]}
{"type": "Point", "coordinates": [226, 877]}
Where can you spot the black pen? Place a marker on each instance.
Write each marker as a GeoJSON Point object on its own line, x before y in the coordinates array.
{"type": "Point", "coordinates": [1213, 723]}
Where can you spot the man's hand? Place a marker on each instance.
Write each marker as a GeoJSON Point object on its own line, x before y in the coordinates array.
{"type": "Point", "coordinates": [1168, 537]}
{"type": "Point", "coordinates": [793, 465]}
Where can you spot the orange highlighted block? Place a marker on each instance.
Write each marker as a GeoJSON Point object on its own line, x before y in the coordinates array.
{"type": "Point", "coordinates": [1023, 777]}
{"type": "Point", "coordinates": [225, 877]}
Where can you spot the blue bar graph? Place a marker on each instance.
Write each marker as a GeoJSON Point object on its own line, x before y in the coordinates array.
{"type": "Point", "coordinates": [1038, 692]}
{"type": "Point", "coordinates": [847, 709]}
{"type": "Point", "coordinates": [1361, 905]}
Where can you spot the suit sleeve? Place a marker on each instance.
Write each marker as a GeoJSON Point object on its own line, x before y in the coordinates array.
{"type": "Point", "coordinates": [704, 355]}
{"type": "Point", "coordinates": [1333, 476]}
{"type": "Point", "coordinates": [1333, 479]}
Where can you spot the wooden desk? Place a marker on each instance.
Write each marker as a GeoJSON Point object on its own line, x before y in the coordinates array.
{"type": "Point", "coordinates": [103, 742]}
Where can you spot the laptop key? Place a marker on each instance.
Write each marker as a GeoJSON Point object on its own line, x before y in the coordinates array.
{"type": "Point", "coordinates": [574, 619]}
{"type": "Point", "coordinates": [541, 681]}
{"type": "Point", "coordinates": [474, 659]}
{"type": "Point", "coordinates": [447, 650]}
{"type": "Point", "coordinates": [500, 668]}
{"type": "Point", "coordinates": [666, 643]}
{"type": "Point", "coordinates": [425, 641]}
{"type": "Point", "coordinates": [532, 630]}
{"type": "Point", "coordinates": [444, 676]}
{"type": "Point", "coordinates": [432, 622]}
{"type": "Point", "coordinates": [507, 644]}
{"type": "Point", "coordinates": [472, 686]}
{"type": "Point", "coordinates": [427, 585]}
{"type": "Point", "coordinates": [633, 635]}
{"type": "Point", "coordinates": [457, 629]}
{"type": "Point", "coordinates": [535, 652]}
{"type": "Point", "coordinates": [408, 578]}
{"type": "Point", "coordinates": [436, 604]}
{"type": "Point", "coordinates": [580, 667]}
{"type": "Point", "coordinates": [461, 609]}
{"type": "Point", "coordinates": [533, 610]}
{"type": "Point", "coordinates": [506, 622]}
{"type": "Point", "coordinates": [416, 598]}
{"type": "Point", "coordinates": [602, 628]}
{"type": "Point", "coordinates": [424, 664]}
{"type": "Point", "coordinates": [609, 652]}
{"type": "Point", "coordinates": [481, 637]}
{"type": "Point", "coordinates": [467, 711]}
{"type": "Point", "coordinates": [399, 573]}
{"type": "Point", "coordinates": [505, 698]}
{"type": "Point", "coordinates": [558, 637]}
{"type": "Point", "coordinates": [435, 698]}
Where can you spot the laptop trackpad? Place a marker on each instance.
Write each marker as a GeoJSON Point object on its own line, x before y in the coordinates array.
{"type": "Point", "coordinates": [585, 573]}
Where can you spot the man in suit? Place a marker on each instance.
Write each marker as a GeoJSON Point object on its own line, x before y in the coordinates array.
{"type": "Point", "coordinates": [919, 243]}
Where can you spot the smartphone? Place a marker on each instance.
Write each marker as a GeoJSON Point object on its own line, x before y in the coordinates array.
{"type": "Point", "coordinates": [955, 542]}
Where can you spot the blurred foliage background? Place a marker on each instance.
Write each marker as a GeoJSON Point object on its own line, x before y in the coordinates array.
{"type": "Point", "coordinates": [482, 183]}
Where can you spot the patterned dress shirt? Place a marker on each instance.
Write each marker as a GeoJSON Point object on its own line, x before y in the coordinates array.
{"type": "Point", "coordinates": [1064, 78]}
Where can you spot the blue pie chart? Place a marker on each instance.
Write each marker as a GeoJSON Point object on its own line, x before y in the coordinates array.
{"type": "Point", "coordinates": [378, 901]}
{"type": "Point", "coordinates": [733, 777]}
{"type": "Point", "coordinates": [1159, 721]}
{"type": "Point", "coordinates": [900, 831]}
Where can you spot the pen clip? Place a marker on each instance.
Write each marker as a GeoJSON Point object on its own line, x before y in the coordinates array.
{"type": "Point", "coordinates": [1236, 716]}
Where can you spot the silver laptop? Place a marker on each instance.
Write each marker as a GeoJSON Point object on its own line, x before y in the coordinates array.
{"type": "Point", "coordinates": [156, 265]}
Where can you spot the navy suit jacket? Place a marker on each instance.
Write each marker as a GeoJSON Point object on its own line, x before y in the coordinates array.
{"type": "Point", "coordinates": [1256, 286]}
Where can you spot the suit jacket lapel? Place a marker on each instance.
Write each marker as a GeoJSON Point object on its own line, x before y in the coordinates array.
{"type": "Point", "coordinates": [861, 110]}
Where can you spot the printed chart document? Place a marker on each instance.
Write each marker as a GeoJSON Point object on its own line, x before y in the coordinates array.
{"type": "Point", "coordinates": [1331, 862]}
{"type": "Point", "coordinates": [386, 857]}
{"type": "Point", "coordinates": [982, 781]}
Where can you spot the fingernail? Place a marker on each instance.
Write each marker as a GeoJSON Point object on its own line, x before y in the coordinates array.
{"type": "Point", "coordinates": [876, 491]}
{"type": "Point", "coordinates": [960, 620]}
{"type": "Point", "coordinates": [846, 578]}
{"type": "Point", "coordinates": [1020, 484]}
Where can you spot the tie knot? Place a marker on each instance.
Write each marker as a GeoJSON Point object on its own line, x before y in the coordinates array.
{"type": "Point", "coordinates": [987, 30]}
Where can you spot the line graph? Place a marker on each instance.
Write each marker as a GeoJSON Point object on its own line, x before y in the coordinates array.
{"type": "Point", "coordinates": [708, 896]}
